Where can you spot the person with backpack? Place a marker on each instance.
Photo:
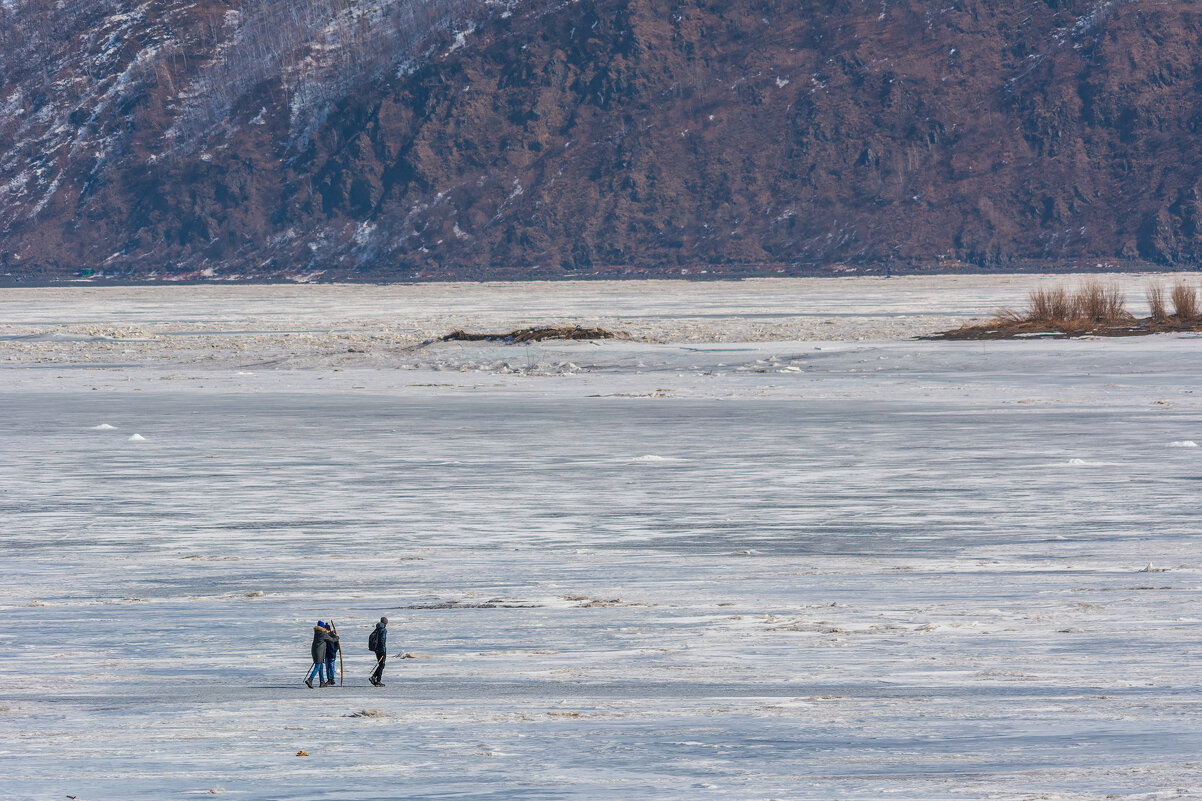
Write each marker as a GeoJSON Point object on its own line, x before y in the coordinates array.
{"type": "Point", "coordinates": [321, 639]}
{"type": "Point", "coordinates": [377, 643]}
{"type": "Point", "coordinates": [332, 648]}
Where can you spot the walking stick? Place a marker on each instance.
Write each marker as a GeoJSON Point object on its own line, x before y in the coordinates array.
{"type": "Point", "coordinates": [378, 661]}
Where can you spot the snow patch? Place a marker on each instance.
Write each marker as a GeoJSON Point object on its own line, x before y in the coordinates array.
{"type": "Point", "coordinates": [104, 427]}
{"type": "Point", "coordinates": [137, 438]}
{"type": "Point", "coordinates": [460, 40]}
{"type": "Point", "coordinates": [1183, 443]}
{"type": "Point", "coordinates": [364, 233]}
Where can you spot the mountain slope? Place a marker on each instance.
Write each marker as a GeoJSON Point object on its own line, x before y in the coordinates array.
{"type": "Point", "coordinates": [386, 140]}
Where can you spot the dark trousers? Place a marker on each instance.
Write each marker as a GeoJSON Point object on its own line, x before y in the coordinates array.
{"type": "Point", "coordinates": [378, 673]}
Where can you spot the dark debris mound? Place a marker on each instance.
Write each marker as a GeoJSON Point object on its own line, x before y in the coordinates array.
{"type": "Point", "coordinates": [1021, 329]}
{"type": "Point", "coordinates": [537, 334]}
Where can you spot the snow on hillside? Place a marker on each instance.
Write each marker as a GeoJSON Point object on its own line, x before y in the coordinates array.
{"type": "Point", "coordinates": [77, 78]}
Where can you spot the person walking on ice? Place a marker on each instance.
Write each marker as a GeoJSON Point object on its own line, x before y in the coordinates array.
{"type": "Point", "coordinates": [377, 643]}
{"type": "Point", "coordinates": [321, 638]}
{"type": "Point", "coordinates": [333, 646]}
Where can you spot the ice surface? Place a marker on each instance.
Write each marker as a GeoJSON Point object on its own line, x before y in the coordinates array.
{"type": "Point", "coordinates": [307, 325]}
{"type": "Point", "coordinates": [872, 576]}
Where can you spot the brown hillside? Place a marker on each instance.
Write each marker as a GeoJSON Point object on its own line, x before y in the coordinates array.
{"type": "Point", "coordinates": [617, 136]}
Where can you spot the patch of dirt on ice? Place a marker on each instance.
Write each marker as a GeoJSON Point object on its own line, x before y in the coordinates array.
{"type": "Point", "coordinates": [535, 334]}
{"type": "Point", "coordinates": [1023, 329]}
{"type": "Point", "coordinates": [367, 713]}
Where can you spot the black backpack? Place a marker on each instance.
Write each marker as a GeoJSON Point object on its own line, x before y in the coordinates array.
{"type": "Point", "coordinates": [373, 640]}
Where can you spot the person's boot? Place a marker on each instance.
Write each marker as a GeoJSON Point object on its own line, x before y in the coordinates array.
{"type": "Point", "coordinates": [309, 683]}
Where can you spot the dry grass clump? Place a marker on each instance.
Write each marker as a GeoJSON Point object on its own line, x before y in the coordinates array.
{"type": "Point", "coordinates": [1052, 305]}
{"type": "Point", "coordinates": [1093, 303]}
{"type": "Point", "coordinates": [1185, 301]}
{"type": "Point", "coordinates": [1156, 307]}
{"type": "Point", "coordinates": [1094, 308]}
{"type": "Point", "coordinates": [1102, 303]}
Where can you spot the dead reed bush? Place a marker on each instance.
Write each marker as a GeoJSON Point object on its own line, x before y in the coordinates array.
{"type": "Point", "coordinates": [1102, 303]}
{"type": "Point", "coordinates": [1156, 307]}
{"type": "Point", "coordinates": [1050, 306]}
{"type": "Point", "coordinates": [1093, 303]}
{"type": "Point", "coordinates": [1185, 301]}
{"type": "Point", "coordinates": [1094, 308]}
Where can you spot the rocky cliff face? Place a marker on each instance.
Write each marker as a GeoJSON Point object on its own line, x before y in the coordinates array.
{"type": "Point", "coordinates": [390, 140]}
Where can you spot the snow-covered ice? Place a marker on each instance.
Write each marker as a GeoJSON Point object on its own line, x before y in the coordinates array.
{"type": "Point", "coordinates": [908, 569]}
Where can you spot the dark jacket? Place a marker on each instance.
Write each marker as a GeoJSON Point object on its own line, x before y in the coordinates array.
{"type": "Point", "coordinates": [382, 637]}
{"type": "Point", "coordinates": [332, 647]}
{"type": "Point", "coordinates": [321, 639]}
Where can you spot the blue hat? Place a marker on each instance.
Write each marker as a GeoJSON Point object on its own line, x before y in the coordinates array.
{"type": "Point", "coordinates": [321, 623]}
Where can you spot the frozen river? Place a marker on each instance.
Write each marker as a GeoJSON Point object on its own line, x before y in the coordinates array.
{"type": "Point", "coordinates": [791, 569]}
